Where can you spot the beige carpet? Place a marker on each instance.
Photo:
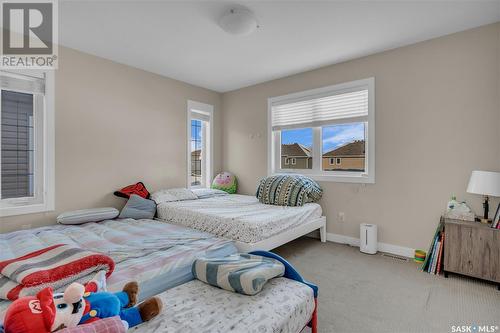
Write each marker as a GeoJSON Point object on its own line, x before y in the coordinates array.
{"type": "Point", "coordinates": [374, 293]}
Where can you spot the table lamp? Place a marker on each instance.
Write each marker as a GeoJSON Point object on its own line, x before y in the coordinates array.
{"type": "Point", "coordinates": [486, 183]}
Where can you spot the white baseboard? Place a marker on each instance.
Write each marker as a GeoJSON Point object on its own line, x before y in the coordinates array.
{"type": "Point", "coordinates": [382, 247]}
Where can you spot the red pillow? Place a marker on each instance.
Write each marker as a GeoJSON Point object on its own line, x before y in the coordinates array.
{"type": "Point", "coordinates": [138, 189]}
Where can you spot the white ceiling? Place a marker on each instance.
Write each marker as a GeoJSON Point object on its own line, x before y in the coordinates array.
{"type": "Point", "coordinates": [182, 40]}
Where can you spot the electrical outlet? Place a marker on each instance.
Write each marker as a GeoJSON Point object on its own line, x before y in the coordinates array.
{"type": "Point", "coordinates": [341, 217]}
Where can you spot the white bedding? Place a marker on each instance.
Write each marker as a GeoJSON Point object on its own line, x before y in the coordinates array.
{"type": "Point", "coordinates": [237, 217]}
{"type": "Point", "coordinates": [283, 305]}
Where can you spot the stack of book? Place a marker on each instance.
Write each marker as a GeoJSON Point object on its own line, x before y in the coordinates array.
{"type": "Point", "coordinates": [434, 261]}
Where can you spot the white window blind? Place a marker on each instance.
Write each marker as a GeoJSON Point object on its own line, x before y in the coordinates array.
{"type": "Point", "coordinates": [320, 110]}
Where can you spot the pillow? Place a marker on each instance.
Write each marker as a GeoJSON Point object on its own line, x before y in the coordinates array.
{"type": "Point", "coordinates": [104, 325]}
{"type": "Point", "coordinates": [225, 181]}
{"type": "Point", "coordinates": [87, 215]}
{"type": "Point", "coordinates": [173, 194]}
{"type": "Point", "coordinates": [138, 208]}
{"type": "Point", "coordinates": [137, 188]}
{"type": "Point", "coordinates": [203, 193]}
{"type": "Point", "coordinates": [288, 190]}
{"type": "Point", "coordinates": [242, 273]}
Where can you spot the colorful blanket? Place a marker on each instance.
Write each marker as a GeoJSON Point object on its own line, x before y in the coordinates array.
{"type": "Point", "coordinates": [242, 273]}
{"type": "Point", "coordinates": [54, 266]}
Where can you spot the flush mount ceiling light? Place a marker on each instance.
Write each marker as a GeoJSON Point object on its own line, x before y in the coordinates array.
{"type": "Point", "coordinates": [238, 21]}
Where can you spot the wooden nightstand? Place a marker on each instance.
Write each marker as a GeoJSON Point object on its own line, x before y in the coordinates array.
{"type": "Point", "coordinates": [472, 249]}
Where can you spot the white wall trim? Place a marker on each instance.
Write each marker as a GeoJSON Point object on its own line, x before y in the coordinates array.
{"type": "Point", "coordinates": [382, 247]}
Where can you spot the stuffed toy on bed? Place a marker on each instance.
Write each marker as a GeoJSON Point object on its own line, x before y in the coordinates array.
{"type": "Point", "coordinates": [48, 312]}
{"type": "Point", "coordinates": [226, 182]}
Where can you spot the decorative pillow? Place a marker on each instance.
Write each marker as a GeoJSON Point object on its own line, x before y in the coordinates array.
{"type": "Point", "coordinates": [105, 325]}
{"type": "Point", "coordinates": [139, 189]}
{"type": "Point", "coordinates": [242, 273]}
{"type": "Point", "coordinates": [88, 215]}
{"type": "Point", "coordinates": [173, 194]}
{"type": "Point", "coordinates": [138, 208]}
{"type": "Point", "coordinates": [226, 182]}
{"type": "Point", "coordinates": [288, 190]}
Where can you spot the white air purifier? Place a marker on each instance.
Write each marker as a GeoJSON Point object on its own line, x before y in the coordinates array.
{"type": "Point", "coordinates": [368, 238]}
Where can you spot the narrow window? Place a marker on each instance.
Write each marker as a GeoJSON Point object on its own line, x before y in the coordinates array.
{"type": "Point", "coordinates": [199, 144]}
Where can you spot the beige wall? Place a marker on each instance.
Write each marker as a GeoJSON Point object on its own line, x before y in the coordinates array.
{"type": "Point", "coordinates": [116, 125]}
{"type": "Point", "coordinates": [438, 99]}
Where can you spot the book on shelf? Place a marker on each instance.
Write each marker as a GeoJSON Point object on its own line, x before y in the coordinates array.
{"type": "Point", "coordinates": [440, 255]}
{"type": "Point", "coordinates": [434, 259]}
{"type": "Point", "coordinates": [428, 257]}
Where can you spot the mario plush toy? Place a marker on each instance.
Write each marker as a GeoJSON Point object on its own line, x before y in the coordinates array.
{"type": "Point", "coordinates": [47, 312]}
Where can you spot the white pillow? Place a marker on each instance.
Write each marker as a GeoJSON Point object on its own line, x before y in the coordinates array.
{"type": "Point", "coordinates": [203, 193]}
{"type": "Point", "coordinates": [88, 215]}
{"type": "Point", "coordinates": [173, 194]}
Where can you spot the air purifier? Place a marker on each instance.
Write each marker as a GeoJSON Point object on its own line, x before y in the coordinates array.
{"type": "Point", "coordinates": [368, 238]}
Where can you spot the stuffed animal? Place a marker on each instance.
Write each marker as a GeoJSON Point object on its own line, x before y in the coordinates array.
{"type": "Point", "coordinates": [48, 312]}
{"type": "Point", "coordinates": [226, 182]}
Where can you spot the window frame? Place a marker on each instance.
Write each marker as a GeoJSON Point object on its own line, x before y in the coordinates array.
{"type": "Point", "coordinates": [44, 143]}
{"type": "Point", "coordinates": [205, 110]}
{"type": "Point", "coordinates": [317, 172]}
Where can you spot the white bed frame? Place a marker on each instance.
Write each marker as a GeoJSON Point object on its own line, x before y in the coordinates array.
{"type": "Point", "coordinates": [286, 236]}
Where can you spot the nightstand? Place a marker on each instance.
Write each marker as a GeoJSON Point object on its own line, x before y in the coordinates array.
{"type": "Point", "coordinates": [472, 249]}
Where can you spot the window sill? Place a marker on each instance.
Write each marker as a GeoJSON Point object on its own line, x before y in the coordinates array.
{"type": "Point", "coordinates": [13, 210]}
{"type": "Point", "coordinates": [356, 178]}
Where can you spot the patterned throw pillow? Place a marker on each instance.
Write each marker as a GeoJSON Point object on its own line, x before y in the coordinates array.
{"type": "Point", "coordinates": [288, 190]}
{"type": "Point", "coordinates": [138, 188]}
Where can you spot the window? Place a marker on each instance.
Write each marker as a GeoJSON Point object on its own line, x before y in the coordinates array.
{"type": "Point", "coordinates": [329, 132]}
{"type": "Point", "coordinates": [27, 142]}
{"type": "Point", "coordinates": [199, 144]}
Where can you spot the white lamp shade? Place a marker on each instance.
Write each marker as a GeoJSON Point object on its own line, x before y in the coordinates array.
{"type": "Point", "coordinates": [485, 183]}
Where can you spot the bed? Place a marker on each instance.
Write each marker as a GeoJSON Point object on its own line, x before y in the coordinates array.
{"type": "Point", "coordinates": [243, 219]}
{"type": "Point", "coordinates": [287, 304]}
{"type": "Point", "coordinates": [156, 254]}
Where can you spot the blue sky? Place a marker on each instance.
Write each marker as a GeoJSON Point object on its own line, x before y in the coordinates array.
{"type": "Point", "coordinates": [333, 136]}
{"type": "Point", "coordinates": [195, 136]}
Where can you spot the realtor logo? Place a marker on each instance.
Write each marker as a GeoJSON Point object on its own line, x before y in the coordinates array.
{"type": "Point", "coordinates": [29, 34]}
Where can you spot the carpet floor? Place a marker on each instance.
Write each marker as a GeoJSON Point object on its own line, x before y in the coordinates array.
{"type": "Point", "coordinates": [376, 293]}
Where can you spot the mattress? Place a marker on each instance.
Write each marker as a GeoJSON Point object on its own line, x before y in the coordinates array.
{"type": "Point", "coordinates": [156, 254]}
{"type": "Point", "coordinates": [237, 217]}
{"type": "Point", "coordinates": [283, 305]}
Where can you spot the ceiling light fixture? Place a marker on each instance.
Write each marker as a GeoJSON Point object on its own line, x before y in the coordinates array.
{"type": "Point", "coordinates": [238, 21]}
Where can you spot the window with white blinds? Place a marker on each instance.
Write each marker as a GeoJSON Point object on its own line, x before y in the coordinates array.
{"type": "Point", "coordinates": [317, 126]}
{"type": "Point", "coordinates": [26, 143]}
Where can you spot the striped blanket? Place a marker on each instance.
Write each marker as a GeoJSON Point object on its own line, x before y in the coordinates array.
{"type": "Point", "coordinates": [54, 266]}
{"type": "Point", "coordinates": [242, 273]}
